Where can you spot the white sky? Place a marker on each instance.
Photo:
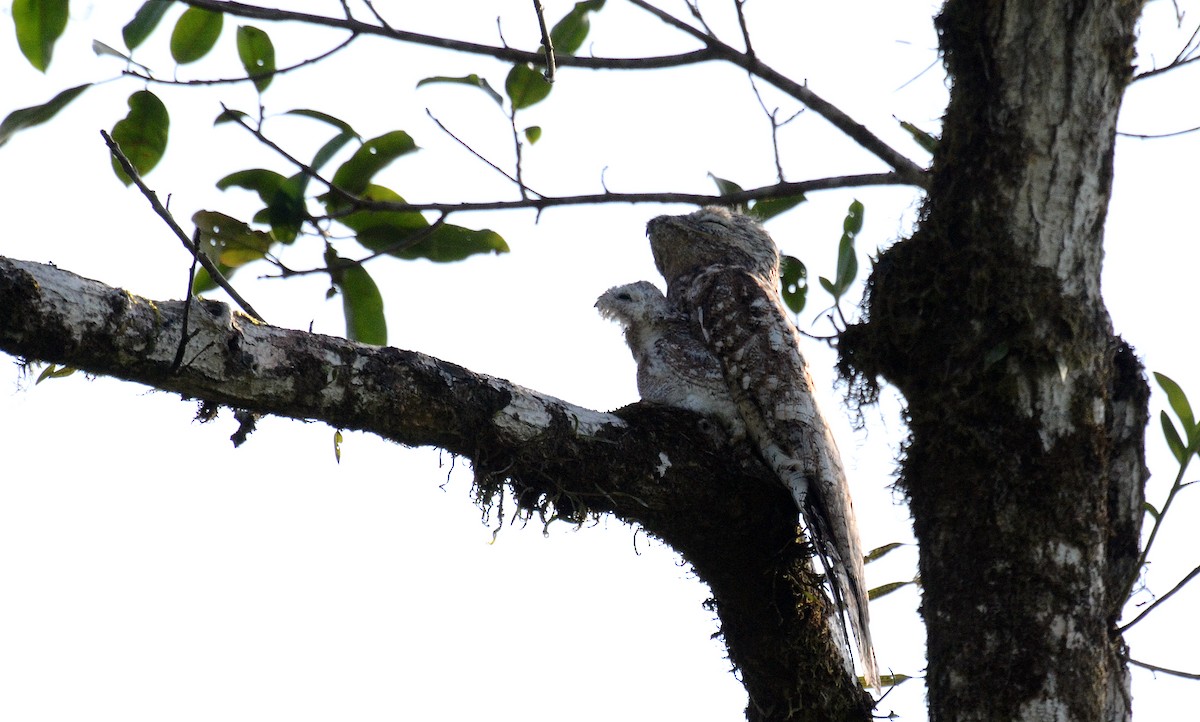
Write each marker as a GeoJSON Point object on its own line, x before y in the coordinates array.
{"type": "Point", "coordinates": [150, 571]}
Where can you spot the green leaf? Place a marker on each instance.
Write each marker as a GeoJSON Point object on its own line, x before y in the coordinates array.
{"type": "Point", "coordinates": [454, 243]}
{"type": "Point", "coordinates": [362, 303]}
{"type": "Point", "coordinates": [891, 680]}
{"type": "Point", "coordinates": [726, 187]}
{"type": "Point", "coordinates": [38, 114]}
{"type": "Point", "coordinates": [525, 86]}
{"type": "Point", "coordinates": [54, 372]}
{"type": "Point", "coordinates": [407, 235]}
{"type": "Point", "coordinates": [337, 445]}
{"type": "Point", "coordinates": [39, 23]}
{"type": "Point", "coordinates": [230, 115]}
{"type": "Point", "coordinates": [768, 208]}
{"type": "Point", "coordinates": [257, 54]}
{"type": "Point", "coordinates": [1172, 437]}
{"type": "Point", "coordinates": [284, 198]}
{"type": "Point", "coordinates": [852, 226]}
{"type": "Point", "coordinates": [102, 49]}
{"type": "Point", "coordinates": [925, 140]}
{"type": "Point", "coordinates": [142, 134]}
{"type": "Point", "coordinates": [204, 283]}
{"type": "Point", "coordinates": [264, 182]}
{"type": "Point", "coordinates": [228, 241]}
{"type": "Point", "coordinates": [881, 551]}
{"type": "Point", "coordinates": [533, 134]}
{"type": "Point", "coordinates": [1149, 509]}
{"type": "Point", "coordinates": [330, 149]}
{"type": "Point", "coordinates": [793, 278]}
{"type": "Point", "coordinates": [472, 80]}
{"type": "Point", "coordinates": [195, 34]}
{"type": "Point", "coordinates": [324, 118]}
{"type": "Point", "coordinates": [1179, 403]}
{"type": "Point", "coordinates": [847, 267]}
{"type": "Point", "coordinates": [144, 22]}
{"type": "Point", "coordinates": [568, 34]}
{"type": "Point", "coordinates": [885, 589]}
{"type": "Point", "coordinates": [355, 174]}
{"type": "Point", "coordinates": [383, 229]}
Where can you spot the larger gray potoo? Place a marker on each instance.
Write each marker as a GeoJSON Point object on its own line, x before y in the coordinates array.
{"type": "Point", "coordinates": [722, 272]}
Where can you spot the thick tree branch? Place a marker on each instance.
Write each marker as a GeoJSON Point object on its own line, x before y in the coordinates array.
{"type": "Point", "coordinates": [667, 470]}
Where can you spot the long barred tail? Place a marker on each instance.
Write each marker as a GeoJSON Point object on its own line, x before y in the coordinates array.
{"type": "Point", "coordinates": [847, 581]}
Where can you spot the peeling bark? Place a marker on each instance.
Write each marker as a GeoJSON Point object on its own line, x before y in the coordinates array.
{"type": "Point", "coordinates": [669, 471]}
{"type": "Point", "coordinates": [1027, 414]}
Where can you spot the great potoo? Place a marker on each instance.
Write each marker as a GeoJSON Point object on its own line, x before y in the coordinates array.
{"type": "Point", "coordinates": [722, 273]}
{"type": "Point", "coordinates": [674, 367]}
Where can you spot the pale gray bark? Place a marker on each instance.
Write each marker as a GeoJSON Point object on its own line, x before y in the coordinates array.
{"type": "Point", "coordinates": [664, 469]}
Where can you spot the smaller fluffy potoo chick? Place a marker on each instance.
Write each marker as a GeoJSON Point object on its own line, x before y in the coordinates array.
{"type": "Point", "coordinates": [674, 367]}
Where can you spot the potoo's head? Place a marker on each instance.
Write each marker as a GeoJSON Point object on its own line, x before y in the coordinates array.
{"type": "Point", "coordinates": [710, 236]}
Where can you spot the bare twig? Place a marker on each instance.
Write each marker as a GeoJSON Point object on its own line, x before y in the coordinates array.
{"type": "Point", "coordinates": [304, 167]}
{"type": "Point", "coordinates": [163, 213]}
{"type": "Point", "coordinates": [713, 50]}
{"type": "Point", "coordinates": [776, 124]}
{"type": "Point", "coordinates": [246, 78]}
{"type": "Point", "coordinates": [1164, 670]}
{"type": "Point", "coordinates": [778, 190]}
{"type": "Point", "coordinates": [1181, 59]}
{"type": "Point", "coordinates": [741, 16]}
{"type": "Point", "coordinates": [400, 245]}
{"type": "Point", "coordinates": [547, 43]}
{"type": "Point", "coordinates": [1182, 582]}
{"type": "Point", "coordinates": [244, 10]}
{"type": "Point", "coordinates": [371, 6]}
{"type": "Point", "coordinates": [913, 173]}
{"type": "Point", "coordinates": [480, 156]}
{"type": "Point", "coordinates": [1154, 136]}
{"type": "Point", "coordinates": [187, 307]}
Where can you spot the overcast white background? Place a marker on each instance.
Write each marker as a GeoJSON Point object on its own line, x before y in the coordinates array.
{"type": "Point", "coordinates": [150, 571]}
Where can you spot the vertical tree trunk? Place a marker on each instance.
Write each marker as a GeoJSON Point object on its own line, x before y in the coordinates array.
{"type": "Point", "coordinates": [1024, 467]}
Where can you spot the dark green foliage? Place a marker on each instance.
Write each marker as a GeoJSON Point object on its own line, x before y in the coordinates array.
{"type": "Point", "coordinates": [142, 134]}
{"type": "Point", "coordinates": [147, 18]}
{"type": "Point", "coordinates": [39, 24]}
{"type": "Point", "coordinates": [38, 114]}
{"type": "Point", "coordinates": [195, 34]}
{"type": "Point", "coordinates": [257, 54]}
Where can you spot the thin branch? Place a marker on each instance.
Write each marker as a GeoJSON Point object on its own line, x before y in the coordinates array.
{"type": "Point", "coordinates": [371, 6]}
{"type": "Point", "coordinates": [778, 190]}
{"type": "Point", "coordinates": [1164, 670]}
{"type": "Point", "coordinates": [400, 245]}
{"type": "Point", "coordinates": [547, 43]}
{"type": "Point", "coordinates": [1155, 136]}
{"type": "Point", "coordinates": [480, 156]}
{"type": "Point", "coordinates": [1161, 599]}
{"type": "Point", "coordinates": [246, 78]}
{"type": "Point", "coordinates": [513, 55]}
{"type": "Point", "coordinates": [912, 172]}
{"type": "Point", "coordinates": [304, 167]}
{"type": "Point", "coordinates": [713, 50]}
{"type": "Point", "coordinates": [705, 36]}
{"type": "Point", "coordinates": [194, 249]}
{"type": "Point", "coordinates": [1181, 59]}
{"type": "Point", "coordinates": [773, 118]}
{"type": "Point", "coordinates": [741, 16]}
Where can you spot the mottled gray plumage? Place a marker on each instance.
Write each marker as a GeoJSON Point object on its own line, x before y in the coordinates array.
{"type": "Point", "coordinates": [722, 272]}
{"type": "Point", "coordinates": [674, 368]}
